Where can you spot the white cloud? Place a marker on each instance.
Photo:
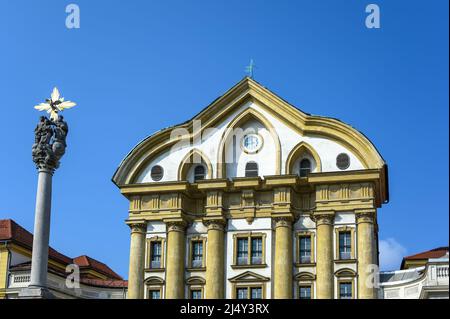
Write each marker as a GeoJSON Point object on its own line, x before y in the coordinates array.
{"type": "Point", "coordinates": [391, 254]}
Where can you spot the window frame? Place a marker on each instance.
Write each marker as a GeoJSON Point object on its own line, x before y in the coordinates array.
{"type": "Point", "coordinates": [148, 262]}
{"type": "Point", "coordinates": [249, 287]}
{"type": "Point", "coordinates": [300, 168]}
{"type": "Point", "coordinates": [249, 236]}
{"type": "Point", "coordinates": [192, 240]}
{"type": "Point", "coordinates": [205, 172]}
{"type": "Point", "coordinates": [338, 232]}
{"type": "Point", "coordinates": [346, 281]}
{"type": "Point", "coordinates": [304, 285]}
{"type": "Point", "coordinates": [312, 236]}
{"type": "Point", "coordinates": [150, 289]}
{"type": "Point", "coordinates": [257, 169]}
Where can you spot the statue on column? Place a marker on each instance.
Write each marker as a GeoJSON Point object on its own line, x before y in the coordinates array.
{"type": "Point", "coordinates": [50, 134]}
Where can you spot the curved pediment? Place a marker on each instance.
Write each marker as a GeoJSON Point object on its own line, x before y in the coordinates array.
{"type": "Point", "coordinates": [154, 281]}
{"type": "Point", "coordinates": [346, 272]}
{"type": "Point", "coordinates": [231, 105]}
{"type": "Point", "coordinates": [305, 276]}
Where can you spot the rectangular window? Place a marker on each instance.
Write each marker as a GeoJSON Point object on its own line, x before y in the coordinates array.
{"type": "Point", "coordinates": [242, 293]}
{"type": "Point", "coordinates": [256, 293]}
{"type": "Point", "coordinates": [196, 294]}
{"type": "Point", "coordinates": [155, 258]}
{"type": "Point", "coordinates": [242, 251]}
{"type": "Point", "coordinates": [345, 245]}
{"type": "Point", "coordinates": [345, 290]}
{"type": "Point", "coordinates": [154, 294]}
{"type": "Point", "coordinates": [197, 254]}
{"type": "Point", "coordinates": [304, 292]}
{"type": "Point", "coordinates": [305, 249]}
{"type": "Point", "coordinates": [257, 250]}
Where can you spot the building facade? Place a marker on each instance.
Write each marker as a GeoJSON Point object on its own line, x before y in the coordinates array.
{"type": "Point", "coordinates": [95, 280]}
{"type": "Point", "coordinates": [253, 198]}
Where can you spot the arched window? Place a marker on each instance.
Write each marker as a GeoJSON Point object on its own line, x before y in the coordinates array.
{"type": "Point", "coordinates": [251, 169]}
{"type": "Point", "coordinates": [305, 167]}
{"type": "Point", "coordinates": [199, 173]}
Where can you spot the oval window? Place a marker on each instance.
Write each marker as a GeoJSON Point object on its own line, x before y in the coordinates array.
{"type": "Point", "coordinates": [343, 161]}
{"type": "Point", "coordinates": [157, 173]}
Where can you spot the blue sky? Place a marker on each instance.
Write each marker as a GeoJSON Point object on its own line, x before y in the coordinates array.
{"type": "Point", "coordinates": [135, 67]}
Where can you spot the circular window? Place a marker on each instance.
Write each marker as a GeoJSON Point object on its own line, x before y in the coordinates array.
{"type": "Point", "coordinates": [157, 173]}
{"type": "Point", "coordinates": [342, 161]}
{"type": "Point", "coordinates": [251, 143]}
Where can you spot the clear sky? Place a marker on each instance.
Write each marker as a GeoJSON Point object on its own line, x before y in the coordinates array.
{"type": "Point", "coordinates": [135, 67]}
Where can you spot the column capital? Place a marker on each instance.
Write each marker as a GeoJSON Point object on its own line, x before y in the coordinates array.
{"type": "Point", "coordinates": [365, 216]}
{"type": "Point", "coordinates": [176, 225]}
{"type": "Point", "coordinates": [215, 224]}
{"type": "Point", "coordinates": [323, 218]}
{"type": "Point", "coordinates": [137, 226]}
{"type": "Point", "coordinates": [285, 221]}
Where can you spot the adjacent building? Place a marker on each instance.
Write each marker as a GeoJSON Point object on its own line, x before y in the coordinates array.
{"type": "Point", "coordinates": [95, 281]}
{"type": "Point", "coordinates": [253, 198]}
{"type": "Point", "coordinates": [421, 276]}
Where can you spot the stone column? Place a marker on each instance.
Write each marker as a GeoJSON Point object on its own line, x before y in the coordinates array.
{"type": "Point", "coordinates": [367, 272]}
{"type": "Point", "coordinates": [137, 253]}
{"type": "Point", "coordinates": [175, 260]}
{"type": "Point", "coordinates": [324, 257]}
{"type": "Point", "coordinates": [283, 259]}
{"type": "Point", "coordinates": [215, 255]}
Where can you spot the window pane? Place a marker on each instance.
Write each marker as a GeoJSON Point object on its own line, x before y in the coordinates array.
{"type": "Point", "coordinates": [305, 249]}
{"type": "Point", "coordinates": [155, 254]}
{"type": "Point", "coordinates": [241, 293]}
{"type": "Point", "coordinates": [154, 294]}
{"type": "Point", "coordinates": [345, 290]}
{"type": "Point", "coordinates": [196, 294]}
{"type": "Point", "coordinates": [305, 167]}
{"type": "Point", "coordinates": [257, 250]}
{"type": "Point", "coordinates": [305, 292]}
{"type": "Point", "coordinates": [345, 246]}
{"type": "Point", "coordinates": [251, 169]}
{"type": "Point", "coordinates": [199, 173]}
{"type": "Point", "coordinates": [197, 254]}
{"type": "Point", "coordinates": [256, 293]}
{"type": "Point", "coordinates": [242, 251]}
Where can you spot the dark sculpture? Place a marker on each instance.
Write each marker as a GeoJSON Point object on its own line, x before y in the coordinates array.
{"type": "Point", "coordinates": [49, 142]}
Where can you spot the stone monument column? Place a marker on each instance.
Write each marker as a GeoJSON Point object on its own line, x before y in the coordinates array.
{"type": "Point", "coordinates": [49, 147]}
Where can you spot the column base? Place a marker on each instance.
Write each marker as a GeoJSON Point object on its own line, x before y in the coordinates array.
{"type": "Point", "coordinates": [35, 293]}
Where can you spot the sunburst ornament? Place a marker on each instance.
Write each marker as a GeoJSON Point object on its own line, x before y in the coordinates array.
{"type": "Point", "coordinates": [54, 105]}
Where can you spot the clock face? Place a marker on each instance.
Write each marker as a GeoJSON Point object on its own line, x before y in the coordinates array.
{"type": "Point", "coordinates": [251, 143]}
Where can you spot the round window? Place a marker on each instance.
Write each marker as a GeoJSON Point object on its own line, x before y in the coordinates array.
{"type": "Point", "coordinates": [157, 173]}
{"type": "Point", "coordinates": [252, 143]}
{"type": "Point", "coordinates": [343, 161]}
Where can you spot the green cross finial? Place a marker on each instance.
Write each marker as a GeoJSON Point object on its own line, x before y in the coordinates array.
{"type": "Point", "coordinates": [250, 69]}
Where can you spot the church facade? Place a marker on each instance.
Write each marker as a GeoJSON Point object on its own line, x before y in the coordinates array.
{"type": "Point", "coordinates": [252, 199]}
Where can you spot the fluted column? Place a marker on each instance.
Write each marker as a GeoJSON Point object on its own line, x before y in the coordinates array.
{"type": "Point", "coordinates": [175, 260]}
{"type": "Point", "coordinates": [366, 255]}
{"type": "Point", "coordinates": [283, 259]}
{"type": "Point", "coordinates": [215, 260]}
{"type": "Point", "coordinates": [137, 253]}
{"type": "Point", "coordinates": [324, 259]}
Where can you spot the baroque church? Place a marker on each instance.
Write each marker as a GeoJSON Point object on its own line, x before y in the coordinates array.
{"type": "Point", "coordinates": [253, 199]}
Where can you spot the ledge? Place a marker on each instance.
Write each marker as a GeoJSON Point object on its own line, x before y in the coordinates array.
{"type": "Point", "coordinates": [345, 261]}
{"type": "Point", "coordinates": [248, 266]}
{"type": "Point", "coordinates": [154, 269]}
{"type": "Point", "coordinates": [192, 269]}
{"type": "Point", "coordinates": [297, 264]}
